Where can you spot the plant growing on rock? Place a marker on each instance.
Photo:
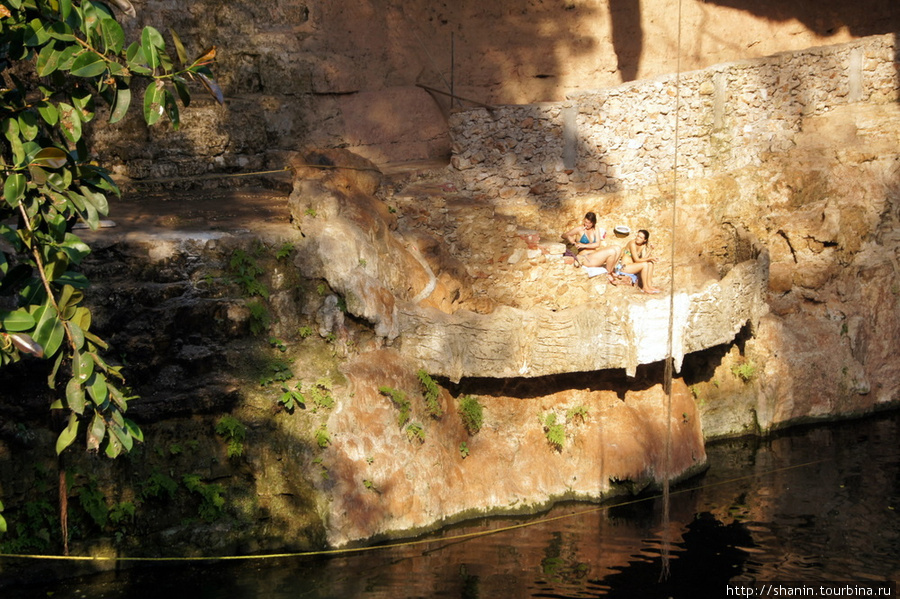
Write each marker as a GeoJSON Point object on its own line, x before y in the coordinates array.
{"type": "Point", "coordinates": [578, 412]}
{"type": "Point", "coordinates": [323, 438]}
{"type": "Point", "coordinates": [212, 502]}
{"type": "Point", "coordinates": [415, 432]}
{"type": "Point", "coordinates": [554, 431]}
{"type": "Point", "coordinates": [471, 413]}
{"type": "Point", "coordinates": [431, 392]}
{"type": "Point", "coordinates": [398, 398]}
{"type": "Point", "coordinates": [463, 450]}
{"type": "Point", "coordinates": [291, 398]}
{"type": "Point", "coordinates": [233, 431]}
{"type": "Point", "coordinates": [320, 394]}
{"type": "Point", "coordinates": [746, 371]}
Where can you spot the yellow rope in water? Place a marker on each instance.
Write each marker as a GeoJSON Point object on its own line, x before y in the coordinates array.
{"type": "Point", "coordinates": [451, 538]}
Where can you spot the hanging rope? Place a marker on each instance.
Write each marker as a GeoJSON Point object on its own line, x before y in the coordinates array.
{"type": "Point", "coordinates": [669, 371]}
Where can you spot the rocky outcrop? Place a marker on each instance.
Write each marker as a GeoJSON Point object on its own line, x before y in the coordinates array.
{"type": "Point", "coordinates": [348, 232]}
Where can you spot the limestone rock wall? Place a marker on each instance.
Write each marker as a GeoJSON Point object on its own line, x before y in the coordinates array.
{"type": "Point", "coordinates": [729, 117]}
{"type": "Point", "coordinates": [335, 73]}
{"type": "Point", "coordinates": [800, 150]}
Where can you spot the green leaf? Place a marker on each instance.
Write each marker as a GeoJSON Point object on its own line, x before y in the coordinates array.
{"type": "Point", "coordinates": [16, 320]}
{"type": "Point", "coordinates": [48, 112]}
{"type": "Point", "coordinates": [171, 109]}
{"type": "Point", "coordinates": [49, 331]}
{"type": "Point", "coordinates": [153, 99]}
{"type": "Point", "coordinates": [136, 60]}
{"type": "Point", "coordinates": [164, 60]}
{"type": "Point", "coordinates": [35, 34]}
{"type": "Point", "coordinates": [75, 396]}
{"type": "Point", "coordinates": [76, 249]}
{"type": "Point", "coordinates": [70, 121]}
{"type": "Point", "coordinates": [75, 333]}
{"type": "Point", "coordinates": [28, 125]}
{"type": "Point", "coordinates": [51, 157]}
{"type": "Point", "coordinates": [97, 199]}
{"type": "Point", "coordinates": [55, 265]}
{"type": "Point", "coordinates": [98, 177]}
{"type": "Point", "coordinates": [48, 60]}
{"type": "Point", "coordinates": [11, 132]}
{"type": "Point", "coordinates": [96, 432]}
{"type": "Point", "coordinates": [69, 297]}
{"type": "Point", "coordinates": [183, 93]}
{"type": "Point", "coordinates": [83, 100]}
{"type": "Point", "coordinates": [113, 35]}
{"type": "Point", "coordinates": [123, 101]}
{"type": "Point", "coordinates": [82, 366]}
{"type": "Point", "coordinates": [179, 47]}
{"type": "Point", "coordinates": [97, 389]}
{"type": "Point", "coordinates": [123, 436]}
{"type": "Point", "coordinates": [65, 9]}
{"type": "Point", "coordinates": [61, 31]}
{"type": "Point", "coordinates": [82, 318]}
{"type": "Point", "coordinates": [151, 42]}
{"type": "Point", "coordinates": [14, 189]}
{"type": "Point", "coordinates": [134, 430]}
{"type": "Point", "coordinates": [68, 435]}
{"type": "Point", "coordinates": [113, 447]}
{"type": "Point", "coordinates": [88, 64]}
{"type": "Point", "coordinates": [75, 279]}
{"type": "Point", "coordinates": [67, 57]}
{"type": "Point", "coordinates": [51, 378]}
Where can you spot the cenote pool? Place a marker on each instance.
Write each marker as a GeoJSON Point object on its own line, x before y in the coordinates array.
{"type": "Point", "coordinates": [821, 503]}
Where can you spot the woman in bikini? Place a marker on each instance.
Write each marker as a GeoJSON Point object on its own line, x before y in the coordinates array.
{"type": "Point", "coordinates": [638, 251]}
{"type": "Point", "coordinates": [591, 253]}
{"type": "Point", "coordinates": [585, 236]}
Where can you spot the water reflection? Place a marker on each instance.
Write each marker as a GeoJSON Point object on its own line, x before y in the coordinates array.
{"type": "Point", "coordinates": [819, 504]}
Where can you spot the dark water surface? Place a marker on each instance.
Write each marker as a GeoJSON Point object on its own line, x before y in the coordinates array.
{"type": "Point", "coordinates": [817, 504]}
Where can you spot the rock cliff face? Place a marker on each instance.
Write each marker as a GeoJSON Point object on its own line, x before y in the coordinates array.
{"type": "Point", "coordinates": [346, 74]}
{"type": "Point", "coordinates": [370, 277]}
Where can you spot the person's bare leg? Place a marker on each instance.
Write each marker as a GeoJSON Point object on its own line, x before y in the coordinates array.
{"type": "Point", "coordinates": [650, 288]}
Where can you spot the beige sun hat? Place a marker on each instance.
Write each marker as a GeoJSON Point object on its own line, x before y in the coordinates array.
{"type": "Point", "coordinates": [622, 231]}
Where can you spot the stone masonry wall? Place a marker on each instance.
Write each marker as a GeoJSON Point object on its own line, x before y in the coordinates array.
{"type": "Point", "coordinates": [623, 138]}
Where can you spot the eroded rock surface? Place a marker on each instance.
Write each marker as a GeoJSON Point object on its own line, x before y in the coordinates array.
{"type": "Point", "coordinates": [357, 242]}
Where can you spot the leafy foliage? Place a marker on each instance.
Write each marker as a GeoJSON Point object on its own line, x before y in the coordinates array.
{"type": "Point", "coordinates": [471, 413]}
{"type": "Point", "coordinates": [431, 392]}
{"type": "Point", "coordinates": [463, 450]}
{"type": "Point", "coordinates": [63, 56]}
{"type": "Point", "coordinates": [157, 484]}
{"type": "Point", "coordinates": [31, 528]}
{"type": "Point", "coordinates": [212, 502]}
{"type": "Point", "coordinates": [399, 399]}
{"type": "Point", "coordinates": [554, 431]}
{"type": "Point", "coordinates": [292, 397]}
{"type": "Point", "coordinates": [246, 272]}
{"type": "Point", "coordinates": [415, 432]}
{"type": "Point", "coordinates": [578, 412]}
{"type": "Point", "coordinates": [746, 371]}
{"type": "Point", "coordinates": [320, 394]}
{"type": "Point", "coordinates": [233, 431]}
{"type": "Point", "coordinates": [323, 438]}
